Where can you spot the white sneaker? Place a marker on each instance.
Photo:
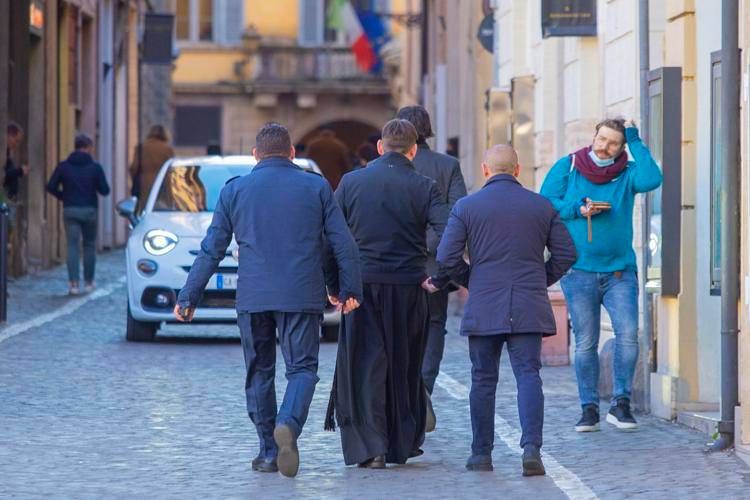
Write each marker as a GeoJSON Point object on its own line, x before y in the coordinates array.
{"type": "Point", "coordinates": [90, 287]}
{"type": "Point", "coordinates": [74, 290]}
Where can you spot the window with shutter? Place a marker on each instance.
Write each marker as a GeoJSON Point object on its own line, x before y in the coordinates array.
{"type": "Point", "coordinates": [311, 22]}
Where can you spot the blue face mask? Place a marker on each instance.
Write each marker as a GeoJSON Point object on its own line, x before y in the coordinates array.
{"type": "Point", "coordinates": [599, 162]}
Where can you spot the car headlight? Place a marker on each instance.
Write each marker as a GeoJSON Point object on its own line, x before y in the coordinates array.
{"type": "Point", "coordinates": [159, 241]}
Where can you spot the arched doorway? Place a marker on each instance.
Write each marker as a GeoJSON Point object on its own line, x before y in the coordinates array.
{"type": "Point", "coordinates": [333, 146]}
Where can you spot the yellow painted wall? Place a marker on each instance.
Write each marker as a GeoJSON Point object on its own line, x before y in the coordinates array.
{"type": "Point", "coordinates": [275, 18]}
{"type": "Point", "coordinates": [206, 65]}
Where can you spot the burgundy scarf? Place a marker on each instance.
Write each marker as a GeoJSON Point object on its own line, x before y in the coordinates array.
{"type": "Point", "coordinates": [594, 173]}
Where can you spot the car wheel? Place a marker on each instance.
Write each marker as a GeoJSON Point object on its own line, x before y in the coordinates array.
{"type": "Point", "coordinates": [330, 333]}
{"type": "Point", "coordinates": [139, 331]}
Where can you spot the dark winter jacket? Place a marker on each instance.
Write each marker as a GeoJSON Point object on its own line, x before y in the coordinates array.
{"type": "Point", "coordinates": [77, 180]}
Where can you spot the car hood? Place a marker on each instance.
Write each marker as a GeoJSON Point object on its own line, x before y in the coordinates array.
{"type": "Point", "coordinates": [183, 224]}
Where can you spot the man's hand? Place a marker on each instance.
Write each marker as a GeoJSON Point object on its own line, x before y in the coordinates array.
{"type": "Point", "coordinates": [629, 123]}
{"type": "Point", "coordinates": [25, 169]}
{"type": "Point", "coordinates": [334, 300]}
{"type": "Point", "coordinates": [588, 209]}
{"type": "Point", "coordinates": [428, 286]}
{"type": "Point", "coordinates": [186, 314]}
{"type": "Point", "coordinates": [350, 305]}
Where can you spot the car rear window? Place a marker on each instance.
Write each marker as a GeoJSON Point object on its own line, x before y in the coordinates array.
{"type": "Point", "coordinates": [194, 188]}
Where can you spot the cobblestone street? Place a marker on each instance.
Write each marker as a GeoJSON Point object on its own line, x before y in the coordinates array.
{"type": "Point", "coordinates": [85, 414]}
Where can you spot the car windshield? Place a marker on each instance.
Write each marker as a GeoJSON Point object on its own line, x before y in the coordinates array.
{"type": "Point", "coordinates": [194, 188]}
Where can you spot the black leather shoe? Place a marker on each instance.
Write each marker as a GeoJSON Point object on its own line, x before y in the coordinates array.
{"type": "Point", "coordinates": [288, 458]}
{"type": "Point", "coordinates": [532, 461]}
{"type": "Point", "coordinates": [265, 464]}
{"type": "Point", "coordinates": [480, 463]}
{"type": "Point", "coordinates": [416, 453]}
{"type": "Point", "coordinates": [374, 463]}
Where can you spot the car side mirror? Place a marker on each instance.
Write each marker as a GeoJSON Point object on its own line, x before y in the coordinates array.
{"type": "Point", "coordinates": [126, 208]}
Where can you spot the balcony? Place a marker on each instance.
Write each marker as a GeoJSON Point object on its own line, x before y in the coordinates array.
{"type": "Point", "coordinates": [287, 68]}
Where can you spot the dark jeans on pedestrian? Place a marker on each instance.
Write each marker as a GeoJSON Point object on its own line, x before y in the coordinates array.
{"type": "Point", "coordinates": [433, 355]}
{"type": "Point", "coordinates": [299, 340]}
{"type": "Point", "coordinates": [81, 223]}
{"type": "Point", "coordinates": [525, 352]}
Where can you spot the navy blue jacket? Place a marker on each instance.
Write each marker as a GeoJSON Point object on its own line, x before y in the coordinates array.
{"type": "Point", "coordinates": [389, 207]}
{"type": "Point", "coordinates": [506, 228]}
{"type": "Point", "coordinates": [282, 218]}
{"type": "Point", "coordinates": [81, 179]}
{"type": "Point", "coordinates": [446, 172]}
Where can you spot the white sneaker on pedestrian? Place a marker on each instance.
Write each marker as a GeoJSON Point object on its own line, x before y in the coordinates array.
{"type": "Point", "coordinates": [74, 290]}
{"type": "Point", "coordinates": [90, 287]}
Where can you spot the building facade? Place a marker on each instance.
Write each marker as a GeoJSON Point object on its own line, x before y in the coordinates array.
{"type": "Point", "coordinates": [71, 66]}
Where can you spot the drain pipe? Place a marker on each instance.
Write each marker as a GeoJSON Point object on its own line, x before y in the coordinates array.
{"type": "Point", "coordinates": [730, 221]}
{"type": "Point", "coordinates": [646, 298]}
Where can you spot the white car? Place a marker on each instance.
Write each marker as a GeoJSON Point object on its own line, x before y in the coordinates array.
{"type": "Point", "coordinates": [166, 238]}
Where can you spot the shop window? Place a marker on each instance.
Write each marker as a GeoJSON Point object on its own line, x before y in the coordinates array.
{"type": "Point", "coordinates": [665, 203]}
{"type": "Point", "coordinates": [717, 154]}
{"type": "Point", "coordinates": [197, 125]}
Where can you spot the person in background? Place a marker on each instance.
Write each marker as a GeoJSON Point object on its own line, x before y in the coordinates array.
{"type": "Point", "coordinates": [605, 273]}
{"type": "Point", "coordinates": [446, 172]}
{"type": "Point", "coordinates": [14, 136]}
{"type": "Point", "coordinates": [77, 181]}
{"type": "Point", "coordinates": [148, 159]}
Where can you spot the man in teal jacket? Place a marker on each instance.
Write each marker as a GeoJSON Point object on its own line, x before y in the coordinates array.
{"type": "Point", "coordinates": [605, 272]}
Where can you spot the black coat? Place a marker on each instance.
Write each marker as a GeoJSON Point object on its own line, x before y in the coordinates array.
{"type": "Point", "coordinates": [446, 172]}
{"type": "Point", "coordinates": [507, 229]}
{"type": "Point", "coordinates": [389, 207]}
{"type": "Point", "coordinates": [282, 218]}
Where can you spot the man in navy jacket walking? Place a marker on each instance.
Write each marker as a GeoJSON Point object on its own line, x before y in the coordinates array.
{"type": "Point", "coordinates": [506, 228]}
{"type": "Point", "coordinates": [283, 219]}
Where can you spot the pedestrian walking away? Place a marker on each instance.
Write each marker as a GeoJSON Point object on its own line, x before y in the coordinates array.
{"type": "Point", "coordinates": [281, 285]}
{"type": "Point", "coordinates": [77, 181]}
{"type": "Point", "coordinates": [379, 394]}
{"type": "Point", "coordinates": [446, 172]}
{"type": "Point", "coordinates": [594, 191]}
{"type": "Point", "coordinates": [148, 159]}
{"type": "Point", "coordinates": [506, 229]}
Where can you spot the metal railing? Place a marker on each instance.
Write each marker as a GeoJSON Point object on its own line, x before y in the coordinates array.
{"type": "Point", "coordinates": [280, 63]}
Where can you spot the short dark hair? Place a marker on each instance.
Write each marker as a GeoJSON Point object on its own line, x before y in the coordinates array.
{"type": "Point", "coordinates": [273, 140]}
{"type": "Point", "coordinates": [420, 118]}
{"type": "Point", "coordinates": [613, 123]}
{"type": "Point", "coordinates": [83, 141]}
{"type": "Point", "coordinates": [13, 129]}
{"type": "Point", "coordinates": [399, 135]}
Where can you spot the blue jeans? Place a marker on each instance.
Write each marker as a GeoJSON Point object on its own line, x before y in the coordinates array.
{"type": "Point", "coordinates": [525, 350]}
{"type": "Point", "coordinates": [585, 293]}
{"type": "Point", "coordinates": [80, 223]}
{"type": "Point", "coordinates": [299, 340]}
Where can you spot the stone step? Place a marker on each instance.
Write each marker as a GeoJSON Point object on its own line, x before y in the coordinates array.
{"type": "Point", "coordinates": [704, 421]}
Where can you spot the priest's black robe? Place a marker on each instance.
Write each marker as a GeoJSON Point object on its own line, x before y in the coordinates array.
{"type": "Point", "coordinates": [380, 396]}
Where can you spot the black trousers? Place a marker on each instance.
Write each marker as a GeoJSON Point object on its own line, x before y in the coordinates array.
{"type": "Point", "coordinates": [380, 404]}
{"type": "Point", "coordinates": [525, 351]}
{"type": "Point", "coordinates": [435, 345]}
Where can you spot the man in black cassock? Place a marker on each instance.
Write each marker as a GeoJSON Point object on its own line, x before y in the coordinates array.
{"type": "Point", "coordinates": [379, 394]}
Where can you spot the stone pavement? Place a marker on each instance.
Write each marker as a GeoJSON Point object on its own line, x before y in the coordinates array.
{"type": "Point", "coordinates": [85, 414]}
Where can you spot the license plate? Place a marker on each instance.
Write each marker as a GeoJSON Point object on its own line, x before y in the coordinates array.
{"type": "Point", "coordinates": [226, 281]}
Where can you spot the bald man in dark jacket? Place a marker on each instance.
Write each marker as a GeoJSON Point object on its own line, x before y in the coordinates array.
{"type": "Point", "coordinates": [506, 229]}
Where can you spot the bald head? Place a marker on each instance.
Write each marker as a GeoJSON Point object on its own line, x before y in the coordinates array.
{"type": "Point", "coordinates": [501, 159]}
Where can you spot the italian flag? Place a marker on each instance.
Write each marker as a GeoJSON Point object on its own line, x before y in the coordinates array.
{"type": "Point", "coordinates": [341, 15]}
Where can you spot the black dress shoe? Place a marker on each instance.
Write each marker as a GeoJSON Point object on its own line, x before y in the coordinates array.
{"type": "Point", "coordinates": [480, 463]}
{"type": "Point", "coordinates": [288, 458]}
{"type": "Point", "coordinates": [373, 463]}
{"type": "Point", "coordinates": [532, 461]}
{"type": "Point", "coordinates": [265, 464]}
{"type": "Point", "coordinates": [416, 453]}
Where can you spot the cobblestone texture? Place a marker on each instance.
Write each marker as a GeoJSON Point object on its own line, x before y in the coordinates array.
{"type": "Point", "coordinates": [85, 414]}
